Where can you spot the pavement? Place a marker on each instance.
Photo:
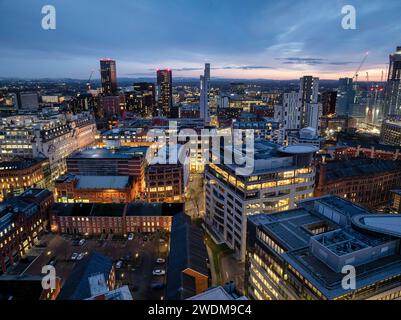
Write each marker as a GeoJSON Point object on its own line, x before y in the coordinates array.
{"type": "Point", "coordinates": [195, 195]}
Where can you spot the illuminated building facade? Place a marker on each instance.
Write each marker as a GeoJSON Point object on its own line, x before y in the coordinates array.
{"type": "Point", "coordinates": [16, 176]}
{"type": "Point", "coordinates": [119, 219]}
{"type": "Point", "coordinates": [72, 188]}
{"type": "Point", "coordinates": [164, 92]}
{"type": "Point", "coordinates": [390, 133]}
{"type": "Point", "coordinates": [281, 177]}
{"type": "Point", "coordinates": [108, 75]}
{"type": "Point", "coordinates": [22, 220]}
{"type": "Point", "coordinates": [299, 254]}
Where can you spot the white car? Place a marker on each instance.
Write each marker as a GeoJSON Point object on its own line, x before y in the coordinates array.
{"type": "Point", "coordinates": [160, 260]}
{"type": "Point", "coordinates": [131, 236]}
{"type": "Point", "coordinates": [74, 256]}
{"type": "Point", "coordinates": [81, 242]}
{"type": "Point", "coordinates": [80, 256]}
{"type": "Point", "coordinates": [159, 272]}
{"type": "Point", "coordinates": [119, 264]}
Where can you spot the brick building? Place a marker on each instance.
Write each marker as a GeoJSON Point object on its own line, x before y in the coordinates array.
{"type": "Point", "coordinates": [365, 181]}
{"type": "Point", "coordinates": [22, 219]}
{"type": "Point", "coordinates": [96, 219]}
{"type": "Point", "coordinates": [72, 188]}
{"type": "Point", "coordinates": [124, 161]}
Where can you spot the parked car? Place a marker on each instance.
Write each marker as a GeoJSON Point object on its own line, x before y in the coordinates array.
{"type": "Point", "coordinates": [81, 242]}
{"type": "Point", "coordinates": [159, 272]}
{"type": "Point", "coordinates": [80, 256]}
{"type": "Point", "coordinates": [119, 264]}
{"type": "Point", "coordinates": [161, 240]}
{"type": "Point", "coordinates": [130, 236]}
{"type": "Point", "coordinates": [160, 260]}
{"type": "Point", "coordinates": [74, 256]}
{"type": "Point", "coordinates": [75, 242]}
{"type": "Point", "coordinates": [157, 286]}
{"type": "Point", "coordinates": [52, 261]}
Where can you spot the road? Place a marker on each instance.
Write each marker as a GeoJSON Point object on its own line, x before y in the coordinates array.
{"type": "Point", "coordinates": [195, 197]}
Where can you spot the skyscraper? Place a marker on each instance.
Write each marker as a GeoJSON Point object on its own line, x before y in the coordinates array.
{"type": "Point", "coordinates": [393, 87]}
{"type": "Point", "coordinates": [108, 74]}
{"type": "Point", "coordinates": [164, 91]}
{"type": "Point", "coordinates": [345, 97]}
{"type": "Point", "coordinates": [309, 91]}
{"type": "Point", "coordinates": [329, 102]}
{"type": "Point", "coordinates": [204, 94]}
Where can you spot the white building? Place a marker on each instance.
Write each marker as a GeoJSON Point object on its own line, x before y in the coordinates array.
{"type": "Point", "coordinates": [289, 113]}
{"type": "Point", "coordinates": [281, 176]}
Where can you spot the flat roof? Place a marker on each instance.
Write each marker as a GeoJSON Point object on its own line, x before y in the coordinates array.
{"type": "Point", "coordinates": [103, 182]}
{"type": "Point", "coordinates": [298, 149]}
{"type": "Point", "coordinates": [105, 153]}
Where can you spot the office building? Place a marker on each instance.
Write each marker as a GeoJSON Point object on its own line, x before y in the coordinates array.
{"type": "Point", "coordinates": [365, 181]}
{"type": "Point", "coordinates": [305, 136]}
{"type": "Point", "coordinates": [141, 100]}
{"type": "Point", "coordinates": [28, 101]}
{"type": "Point", "coordinates": [108, 76]}
{"type": "Point", "coordinates": [19, 175]}
{"type": "Point", "coordinates": [281, 177]}
{"type": "Point", "coordinates": [123, 161]}
{"type": "Point", "coordinates": [164, 92]}
{"type": "Point", "coordinates": [328, 99]}
{"type": "Point", "coordinates": [300, 254]}
{"type": "Point", "coordinates": [72, 188]}
{"type": "Point", "coordinates": [395, 200]}
{"type": "Point", "coordinates": [345, 97]}
{"type": "Point", "coordinates": [290, 111]}
{"type": "Point", "coordinates": [204, 94]}
{"type": "Point", "coordinates": [393, 86]}
{"type": "Point", "coordinates": [22, 220]}
{"type": "Point", "coordinates": [390, 132]}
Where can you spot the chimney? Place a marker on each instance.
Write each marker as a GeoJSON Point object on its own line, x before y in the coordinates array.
{"type": "Point", "coordinates": [319, 191]}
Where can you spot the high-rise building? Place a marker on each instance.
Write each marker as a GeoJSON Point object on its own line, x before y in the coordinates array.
{"type": "Point", "coordinates": [204, 94]}
{"type": "Point", "coordinates": [393, 88]}
{"type": "Point", "coordinates": [289, 112]}
{"type": "Point", "coordinates": [281, 177]}
{"type": "Point", "coordinates": [329, 99]}
{"type": "Point", "coordinates": [142, 100]}
{"type": "Point", "coordinates": [390, 132]}
{"type": "Point", "coordinates": [345, 97]}
{"type": "Point", "coordinates": [164, 92]}
{"type": "Point", "coordinates": [108, 74]}
{"type": "Point", "coordinates": [309, 92]}
{"type": "Point", "coordinates": [28, 101]}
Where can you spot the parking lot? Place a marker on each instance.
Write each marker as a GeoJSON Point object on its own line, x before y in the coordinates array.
{"type": "Point", "coordinates": [136, 260]}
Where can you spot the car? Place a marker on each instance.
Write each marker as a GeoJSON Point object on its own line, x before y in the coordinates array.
{"type": "Point", "coordinates": [157, 286]}
{"type": "Point", "coordinates": [119, 264]}
{"type": "Point", "coordinates": [159, 272]}
{"type": "Point", "coordinates": [161, 240]}
{"type": "Point", "coordinates": [130, 236]}
{"type": "Point", "coordinates": [160, 260]}
{"type": "Point", "coordinates": [52, 261]}
{"type": "Point", "coordinates": [145, 238]}
{"type": "Point", "coordinates": [74, 256]}
{"type": "Point", "coordinates": [81, 242]}
{"type": "Point", "coordinates": [80, 256]}
{"type": "Point", "coordinates": [75, 242]}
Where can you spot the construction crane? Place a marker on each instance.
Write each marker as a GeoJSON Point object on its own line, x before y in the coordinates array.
{"type": "Point", "coordinates": [359, 67]}
{"type": "Point", "coordinates": [88, 84]}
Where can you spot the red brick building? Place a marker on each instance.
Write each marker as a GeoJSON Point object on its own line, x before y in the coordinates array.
{"type": "Point", "coordinates": [95, 219]}
{"type": "Point", "coordinates": [22, 220]}
{"type": "Point", "coordinates": [365, 181]}
{"type": "Point", "coordinates": [72, 188]}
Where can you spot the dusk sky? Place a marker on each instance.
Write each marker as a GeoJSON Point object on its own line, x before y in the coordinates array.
{"type": "Point", "coordinates": [241, 39]}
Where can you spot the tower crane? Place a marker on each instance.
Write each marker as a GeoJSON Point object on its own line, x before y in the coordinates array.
{"type": "Point", "coordinates": [88, 84]}
{"type": "Point", "coordinates": [359, 67]}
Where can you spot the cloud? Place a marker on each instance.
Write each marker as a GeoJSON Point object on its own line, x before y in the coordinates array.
{"type": "Point", "coordinates": [312, 61]}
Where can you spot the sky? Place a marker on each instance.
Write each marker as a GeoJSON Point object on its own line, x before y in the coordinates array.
{"type": "Point", "coordinates": [247, 39]}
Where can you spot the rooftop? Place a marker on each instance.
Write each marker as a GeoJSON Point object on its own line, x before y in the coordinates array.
{"type": "Point", "coordinates": [104, 153]}
{"type": "Point", "coordinates": [359, 167]}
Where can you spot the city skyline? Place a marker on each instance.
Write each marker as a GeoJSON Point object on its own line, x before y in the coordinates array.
{"type": "Point", "coordinates": [259, 41]}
